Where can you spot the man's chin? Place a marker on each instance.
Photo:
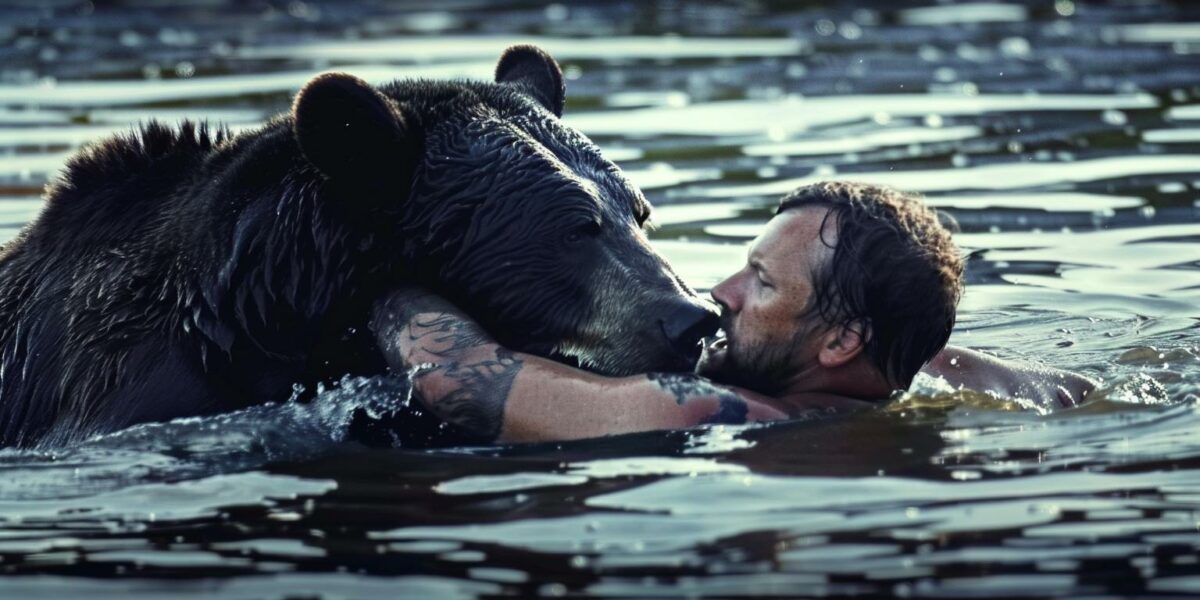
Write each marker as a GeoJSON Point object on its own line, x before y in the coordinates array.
{"type": "Point", "coordinates": [717, 364]}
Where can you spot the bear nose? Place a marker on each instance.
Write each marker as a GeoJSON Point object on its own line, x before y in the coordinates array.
{"type": "Point", "coordinates": [688, 324]}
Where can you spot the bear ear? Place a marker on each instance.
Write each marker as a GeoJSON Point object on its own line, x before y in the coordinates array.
{"type": "Point", "coordinates": [536, 73]}
{"type": "Point", "coordinates": [346, 128]}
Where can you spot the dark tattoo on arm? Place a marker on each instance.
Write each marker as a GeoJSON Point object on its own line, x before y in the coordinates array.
{"type": "Point", "coordinates": [444, 334]}
{"type": "Point", "coordinates": [732, 411]}
{"type": "Point", "coordinates": [477, 392]}
{"type": "Point", "coordinates": [684, 388]}
{"type": "Point", "coordinates": [413, 327]}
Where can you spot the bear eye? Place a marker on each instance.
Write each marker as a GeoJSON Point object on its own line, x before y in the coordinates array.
{"type": "Point", "coordinates": [589, 229]}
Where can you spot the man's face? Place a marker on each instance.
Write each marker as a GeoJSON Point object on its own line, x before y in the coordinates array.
{"type": "Point", "coordinates": [769, 338]}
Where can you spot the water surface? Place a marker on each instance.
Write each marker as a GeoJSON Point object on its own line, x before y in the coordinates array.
{"type": "Point", "coordinates": [1063, 137]}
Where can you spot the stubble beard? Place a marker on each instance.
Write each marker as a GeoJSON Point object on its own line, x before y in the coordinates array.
{"type": "Point", "coordinates": [765, 367]}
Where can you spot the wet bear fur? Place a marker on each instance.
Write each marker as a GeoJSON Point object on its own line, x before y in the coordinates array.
{"type": "Point", "coordinates": [181, 271]}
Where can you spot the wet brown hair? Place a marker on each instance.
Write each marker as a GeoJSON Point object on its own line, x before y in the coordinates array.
{"type": "Point", "coordinates": [894, 268]}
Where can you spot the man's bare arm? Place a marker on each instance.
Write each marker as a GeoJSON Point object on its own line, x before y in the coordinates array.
{"type": "Point", "coordinates": [453, 363]}
{"type": "Point", "coordinates": [1046, 386]}
{"type": "Point", "coordinates": [462, 375]}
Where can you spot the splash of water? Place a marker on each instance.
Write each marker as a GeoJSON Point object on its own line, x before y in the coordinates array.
{"type": "Point", "coordinates": [197, 447]}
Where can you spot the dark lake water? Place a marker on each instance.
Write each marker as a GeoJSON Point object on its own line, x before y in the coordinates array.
{"type": "Point", "coordinates": [1063, 136]}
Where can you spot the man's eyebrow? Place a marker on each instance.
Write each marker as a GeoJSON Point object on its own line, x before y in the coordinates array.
{"type": "Point", "coordinates": [757, 264]}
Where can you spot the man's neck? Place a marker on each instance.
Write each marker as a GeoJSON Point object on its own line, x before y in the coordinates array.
{"type": "Point", "coordinates": [857, 381]}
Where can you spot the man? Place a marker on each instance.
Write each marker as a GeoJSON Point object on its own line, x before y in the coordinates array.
{"type": "Point", "coordinates": [847, 294]}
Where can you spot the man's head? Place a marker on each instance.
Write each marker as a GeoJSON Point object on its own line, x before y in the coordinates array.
{"type": "Point", "coordinates": [846, 279]}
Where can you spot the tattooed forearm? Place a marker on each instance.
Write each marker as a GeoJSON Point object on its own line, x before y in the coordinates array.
{"type": "Point", "coordinates": [458, 372]}
{"type": "Point", "coordinates": [402, 305]}
{"type": "Point", "coordinates": [472, 396]}
{"type": "Point", "coordinates": [680, 386]}
{"type": "Point", "coordinates": [444, 334]}
{"type": "Point", "coordinates": [415, 327]}
{"type": "Point", "coordinates": [685, 388]}
{"type": "Point", "coordinates": [732, 411]}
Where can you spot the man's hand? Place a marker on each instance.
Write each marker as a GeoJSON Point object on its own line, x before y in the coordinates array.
{"type": "Point", "coordinates": [1045, 386]}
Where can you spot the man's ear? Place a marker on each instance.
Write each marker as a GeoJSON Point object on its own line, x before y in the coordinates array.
{"type": "Point", "coordinates": [536, 73]}
{"type": "Point", "coordinates": [843, 343]}
{"type": "Point", "coordinates": [347, 129]}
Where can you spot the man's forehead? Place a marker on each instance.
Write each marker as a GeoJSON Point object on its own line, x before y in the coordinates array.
{"type": "Point", "coordinates": [793, 232]}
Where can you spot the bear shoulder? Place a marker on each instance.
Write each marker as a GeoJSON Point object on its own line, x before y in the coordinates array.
{"type": "Point", "coordinates": [133, 155]}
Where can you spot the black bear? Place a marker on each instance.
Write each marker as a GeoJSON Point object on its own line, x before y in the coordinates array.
{"type": "Point", "coordinates": [184, 271]}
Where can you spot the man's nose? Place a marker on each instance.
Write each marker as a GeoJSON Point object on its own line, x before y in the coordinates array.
{"type": "Point", "coordinates": [688, 324]}
{"type": "Point", "coordinates": [723, 294]}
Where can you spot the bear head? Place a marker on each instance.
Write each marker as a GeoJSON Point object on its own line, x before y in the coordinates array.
{"type": "Point", "coordinates": [480, 192]}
